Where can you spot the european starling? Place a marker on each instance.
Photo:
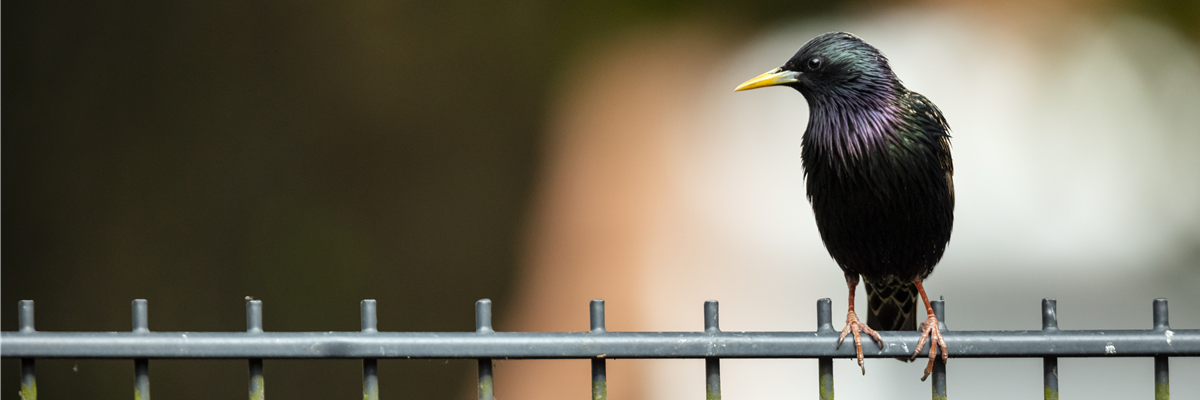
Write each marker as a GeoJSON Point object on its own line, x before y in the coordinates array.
{"type": "Point", "coordinates": [878, 172]}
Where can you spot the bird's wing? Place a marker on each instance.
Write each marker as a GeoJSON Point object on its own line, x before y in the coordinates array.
{"type": "Point", "coordinates": [929, 120]}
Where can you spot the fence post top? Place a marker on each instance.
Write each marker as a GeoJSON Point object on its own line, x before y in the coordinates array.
{"type": "Point", "coordinates": [597, 316]}
{"type": "Point", "coordinates": [825, 315]}
{"type": "Point", "coordinates": [1049, 314]}
{"type": "Point", "coordinates": [141, 318]}
{"type": "Point", "coordinates": [712, 317]}
{"type": "Point", "coordinates": [25, 313]}
{"type": "Point", "coordinates": [483, 316]}
{"type": "Point", "coordinates": [254, 316]}
{"type": "Point", "coordinates": [1161, 320]}
{"type": "Point", "coordinates": [369, 322]}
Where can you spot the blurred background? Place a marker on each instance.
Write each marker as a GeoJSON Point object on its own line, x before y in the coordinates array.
{"type": "Point", "coordinates": [540, 153]}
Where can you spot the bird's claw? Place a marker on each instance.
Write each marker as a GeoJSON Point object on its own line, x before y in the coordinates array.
{"type": "Point", "coordinates": [929, 329]}
{"type": "Point", "coordinates": [853, 325]}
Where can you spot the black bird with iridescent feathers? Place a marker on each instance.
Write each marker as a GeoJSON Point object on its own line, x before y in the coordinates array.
{"type": "Point", "coordinates": [879, 176]}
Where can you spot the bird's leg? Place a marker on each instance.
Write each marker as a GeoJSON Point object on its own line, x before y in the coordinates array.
{"type": "Point", "coordinates": [853, 325]}
{"type": "Point", "coordinates": [929, 329]}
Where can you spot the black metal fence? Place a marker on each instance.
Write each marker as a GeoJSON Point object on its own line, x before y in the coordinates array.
{"type": "Point", "coordinates": [598, 345]}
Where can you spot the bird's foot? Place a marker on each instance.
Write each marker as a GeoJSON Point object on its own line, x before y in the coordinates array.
{"type": "Point", "coordinates": [853, 325]}
{"type": "Point", "coordinates": [929, 330]}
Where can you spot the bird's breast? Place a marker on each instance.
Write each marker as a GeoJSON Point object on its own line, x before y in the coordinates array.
{"type": "Point", "coordinates": [882, 214]}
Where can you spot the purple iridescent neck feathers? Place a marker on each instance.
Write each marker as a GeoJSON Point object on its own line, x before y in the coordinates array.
{"type": "Point", "coordinates": [853, 95]}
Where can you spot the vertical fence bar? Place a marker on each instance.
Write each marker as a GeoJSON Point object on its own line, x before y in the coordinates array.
{"type": "Point", "coordinates": [599, 365]}
{"type": "Point", "coordinates": [28, 380]}
{"type": "Point", "coordinates": [825, 370]}
{"type": "Point", "coordinates": [141, 366]}
{"type": "Point", "coordinates": [825, 364]}
{"type": "Point", "coordinates": [1162, 379]}
{"type": "Point", "coordinates": [1162, 375]}
{"type": "Point", "coordinates": [254, 325]}
{"type": "Point", "coordinates": [28, 370]}
{"type": "Point", "coordinates": [1050, 364]}
{"type": "Point", "coordinates": [483, 324]}
{"type": "Point", "coordinates": [712, 365]}
{"type": "Point", "coordinates": [369, 324]}
{"type": "Point", "coordinates": [939, 367]}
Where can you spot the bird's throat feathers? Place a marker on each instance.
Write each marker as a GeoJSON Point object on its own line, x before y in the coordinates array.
{"type": "Point", "coordinates": [845, 130]}
{"type": "Point", "coordinates": [854, 98]}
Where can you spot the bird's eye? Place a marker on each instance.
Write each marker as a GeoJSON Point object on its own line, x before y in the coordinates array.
{"type": "Point", "coordinates": [814, 63]}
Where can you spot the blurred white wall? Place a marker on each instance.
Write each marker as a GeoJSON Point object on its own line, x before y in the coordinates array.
{"type": "Point", "coordinates": [1077, 155]}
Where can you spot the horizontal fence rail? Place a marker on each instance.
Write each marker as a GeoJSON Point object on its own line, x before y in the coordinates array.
{"type": "Point", "coordinates": [514, 345]}
{"type": "Point", "coordinates": [597, 344]}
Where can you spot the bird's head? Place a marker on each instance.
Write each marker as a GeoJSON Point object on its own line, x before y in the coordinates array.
{"type": "Point", "coordinates": [836, 66]}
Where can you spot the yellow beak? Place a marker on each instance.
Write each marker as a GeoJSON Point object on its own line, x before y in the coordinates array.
{"type": "Point", "coordinates": [777, 76]}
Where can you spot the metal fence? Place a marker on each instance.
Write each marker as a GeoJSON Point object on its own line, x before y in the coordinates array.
{"type": "Point", "coordinates": [598, 345]}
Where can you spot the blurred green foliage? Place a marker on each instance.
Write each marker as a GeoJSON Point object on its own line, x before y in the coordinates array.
{"type": "Point", "coordinates": [1183, 15]}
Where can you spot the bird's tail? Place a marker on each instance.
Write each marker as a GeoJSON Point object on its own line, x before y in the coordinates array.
{"type": "Point", "coordinates": [892, 305]}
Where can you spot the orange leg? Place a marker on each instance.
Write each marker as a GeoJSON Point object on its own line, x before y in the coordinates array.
{"type": "Point", "coordinates": [929, 330]}
{"type": "Point", "coordinates": [853, 325]}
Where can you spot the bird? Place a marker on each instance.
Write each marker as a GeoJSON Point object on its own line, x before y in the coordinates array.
{"type": "Point", "coordinates": [879, 176]}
